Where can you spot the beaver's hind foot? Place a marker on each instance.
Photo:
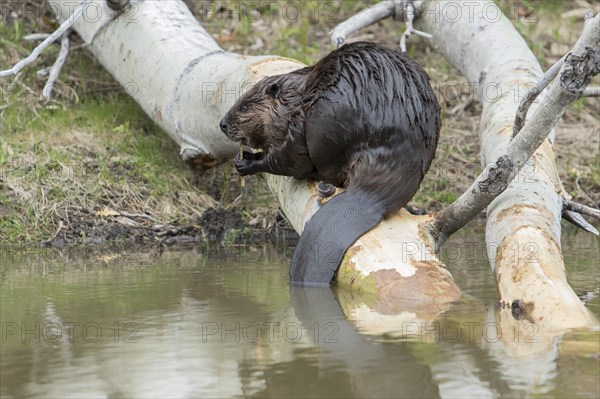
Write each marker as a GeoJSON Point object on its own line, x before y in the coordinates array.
{"type": "Point", "coordinates": [325, 190]}
{"type": "Point", "coordinates": [414, 211]}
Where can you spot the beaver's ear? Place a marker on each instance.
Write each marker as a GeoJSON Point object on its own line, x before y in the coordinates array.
{"type": "Point", "coordinates": [274, 90]}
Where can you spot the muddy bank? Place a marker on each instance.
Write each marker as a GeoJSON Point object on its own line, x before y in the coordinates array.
{"type": "Point", "coordinates": [218, 227]}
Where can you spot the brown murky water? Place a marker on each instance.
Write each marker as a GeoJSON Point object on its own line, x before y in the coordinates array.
{"type": "Point", "coordinates": [225, 323]}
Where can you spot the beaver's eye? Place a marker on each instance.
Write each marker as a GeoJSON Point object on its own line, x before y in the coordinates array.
{"type": "Point", "coordinates": [244, 108]}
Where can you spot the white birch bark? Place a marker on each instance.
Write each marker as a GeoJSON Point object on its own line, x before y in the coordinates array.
{"type": "Point", "coordinates": [173, 68]}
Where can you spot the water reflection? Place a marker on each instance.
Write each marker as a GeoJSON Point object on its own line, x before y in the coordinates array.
{"type": "Point", "coordinates": [380, 370]}
{"type": "Point", "coordinates": [190, 324]}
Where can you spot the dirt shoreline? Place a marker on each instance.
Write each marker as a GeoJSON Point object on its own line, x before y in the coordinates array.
{"type": "Point", "coordinates": [216, 227]}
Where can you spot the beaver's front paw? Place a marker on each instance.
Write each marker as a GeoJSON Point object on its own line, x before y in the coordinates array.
{"type": "Point", "coordinates": [252, 156]}
{"type": "Point", "coordinates": [244, 166]}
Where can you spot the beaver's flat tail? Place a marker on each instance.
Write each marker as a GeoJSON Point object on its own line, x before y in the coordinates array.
{"type": "Point", "coordinates": [347, 216]}
{"type": "Point", "coordinates": [327, 236]}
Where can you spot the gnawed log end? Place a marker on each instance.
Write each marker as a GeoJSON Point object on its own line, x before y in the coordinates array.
{"type": "Point", "coordinates": [530, 275]}
{"type": "Point", "coordinates": [394, 260]}
{"type": "Point", "coordinates": [579, 70]}
{"type": "Point", "coordinates": [427, 285]}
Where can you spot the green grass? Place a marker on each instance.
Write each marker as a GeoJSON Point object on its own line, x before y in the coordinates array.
{"type": "Point", "coordinates": [88, 151]}
{"type": "Point", "coordinates": [94, 150]}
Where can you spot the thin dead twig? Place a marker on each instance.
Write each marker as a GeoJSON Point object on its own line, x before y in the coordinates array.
{"type": "Point", "coordinates": [56, 68]}
{"type": "Point", "coordinates": [49, 40]}
{"type": "Point", "coordinates": [582, 209]}
{"type": "Point", "coordinates": [591, 92]}
{"type": "Point", "coordinates": [532, 94]}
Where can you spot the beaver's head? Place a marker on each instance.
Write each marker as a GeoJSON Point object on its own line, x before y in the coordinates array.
{"type": "Point", "coordinates": [259, 117]}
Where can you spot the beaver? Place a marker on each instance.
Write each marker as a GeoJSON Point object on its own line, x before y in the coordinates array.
{"type": "Point", "coordinates": [364, 118]}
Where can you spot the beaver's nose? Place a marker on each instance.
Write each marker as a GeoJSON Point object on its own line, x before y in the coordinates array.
{"type": "Point", "coordinates": [223, 126]}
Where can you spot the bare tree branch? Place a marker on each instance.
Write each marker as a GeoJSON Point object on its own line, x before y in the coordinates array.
{"type": "Point", "coordinates": [55, 70]}
{"type": "Point", "coordinates": [591, 92]}
{"type": "Point", "coordinates": [408, 9]}
{"type": "Point", "coordinates": [582, 209]}
{"type": "Point", "coordinates": [578, 220]}
{"type": "Point", "coordinates": [579, 67]}
{"type": "Point", "coordinates": [66, 25]}
{"type": "Point", "coordinates": [363, 19]}
{"type": "Point", "coordinates": [36, 36]}
{"type": "Point", "coordinates": [535, 91]}
{"type": "Point", "coordinates": [410, 16]}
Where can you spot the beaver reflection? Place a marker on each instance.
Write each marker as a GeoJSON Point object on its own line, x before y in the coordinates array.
{"type": "Point", "coordinates": [344, 363]}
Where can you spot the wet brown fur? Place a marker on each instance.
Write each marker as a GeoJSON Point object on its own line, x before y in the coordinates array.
{"type": "Point", "coordinates": [264, 124]}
